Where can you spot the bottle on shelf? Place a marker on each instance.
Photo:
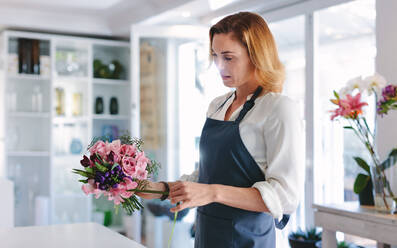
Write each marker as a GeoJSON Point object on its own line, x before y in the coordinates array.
{"type": "Point", "coordinates": [99, 105]}
{"type": "Point", "coordinates": [77, 104]}
{"type": "Point", "coordinates": [37, 99]}
{"type": "Point", "coordinates": [60, 101]}
{"type": "Point", "coordinates": [36, 57]}
{"type": "Point", "coordinates": [114, 106]}
{"type": "Point", "coordinates": [25, 55]}
{"type": "Point", "coordinates": [11, 100]}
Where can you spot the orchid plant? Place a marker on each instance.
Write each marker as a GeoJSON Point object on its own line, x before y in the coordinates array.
{"type": "Point", "coordinates": [350, 108]}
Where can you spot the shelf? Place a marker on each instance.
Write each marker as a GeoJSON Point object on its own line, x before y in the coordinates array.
{"type": "Point", "coordinates": [111, 82]}
{"type": "Point", "coordinates": [28, 77]}
{"type": "Point", "coordinates": [29, 114]}
{"type": "Point", "coordinates": [57, 79]}
{"type": "Point", "coordinates": [111, 117]}
{"type": "Point", "coordinates": [28, 154]}
{"type": "Point", "coordinates": [69, 119]}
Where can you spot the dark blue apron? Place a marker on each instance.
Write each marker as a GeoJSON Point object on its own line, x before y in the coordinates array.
{"type": "Point", "coordinates": [224, 159]}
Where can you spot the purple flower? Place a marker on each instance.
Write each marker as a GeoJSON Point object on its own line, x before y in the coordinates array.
{"type": "Point", "coordinates": [115, 186]}
{"type": "Point", "coordinates": [99, 177]}
{"type": "Point", "coordinates": [111, 157]}
{"type": "Point", "coordinates": [85, 161]}
{"type": "Point", "coordinates": [94, 158]}
{"type": "Point", "coordinates": [102, 187]}
{"type": "Point", "coordinates": [389, 91]}
{"type": "Point", "coordinates": [107, 174]}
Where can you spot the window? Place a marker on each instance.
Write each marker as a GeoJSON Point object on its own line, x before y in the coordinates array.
{"type": "Point", "coordinates": [346, 49]}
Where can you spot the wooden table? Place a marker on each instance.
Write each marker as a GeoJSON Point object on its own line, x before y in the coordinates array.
{"type": "Point", "coordinates": [349, 217]}
{"type": "Point", "coordinates": [85, 235]}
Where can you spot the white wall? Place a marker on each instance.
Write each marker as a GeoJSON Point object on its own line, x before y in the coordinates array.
{"type": "Point", "coordinates": [386, 65]}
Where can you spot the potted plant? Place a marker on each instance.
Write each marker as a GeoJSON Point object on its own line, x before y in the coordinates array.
{"type": "Point", "coordinates": [350, 109]}
{"type": "Point", "coordinates": [304, 239]}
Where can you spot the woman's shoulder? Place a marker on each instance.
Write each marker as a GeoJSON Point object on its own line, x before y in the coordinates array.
{"type": "Point", "coordinates": [281, 106]}
{"type": "Point", "coordinates": [217, 101]}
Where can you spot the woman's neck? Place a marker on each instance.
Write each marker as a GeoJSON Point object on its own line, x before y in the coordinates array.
{"type": "Point", "coordinates": [245, 90]}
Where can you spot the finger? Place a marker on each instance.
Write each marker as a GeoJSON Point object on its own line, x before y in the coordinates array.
{"type": "Point", "coordinates": [178, 199]}
{"type": "Point", "coordinates": [180, 207]}
{"type": "Point", "coordinates": [176, 186]}
{"type": "Point", "coordinates": [176, 193]}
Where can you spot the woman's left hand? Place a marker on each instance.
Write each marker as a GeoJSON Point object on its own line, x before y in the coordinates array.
{"type": "Point", "coordinates": [190, 194]}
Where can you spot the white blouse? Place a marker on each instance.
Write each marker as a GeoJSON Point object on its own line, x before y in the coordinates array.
{"type": "Point", "coordinates": [272, 131]}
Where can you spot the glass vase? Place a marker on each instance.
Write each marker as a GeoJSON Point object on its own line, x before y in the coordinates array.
{"type": "Point", "coordinates": [383, 195]}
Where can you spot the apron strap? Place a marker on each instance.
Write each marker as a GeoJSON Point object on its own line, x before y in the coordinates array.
{"type": "Point", "coordinates": [223, 104]}
{"type": "Point", "coordinates": [283, 222]}
{"type": "Point", "coordinates": [248, 104]}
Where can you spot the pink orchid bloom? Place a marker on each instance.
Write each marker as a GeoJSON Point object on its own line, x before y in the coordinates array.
{"type": "Point", "coordinates": [117, 194]}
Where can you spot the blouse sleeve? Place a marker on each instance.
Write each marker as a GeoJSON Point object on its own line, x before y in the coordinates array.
{"type": "Point", "coordinates": [284, 173]}
{"type": "Point", "coordinates": [190, 178]}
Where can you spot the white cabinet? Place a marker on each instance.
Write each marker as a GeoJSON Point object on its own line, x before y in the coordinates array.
{"type": "Point", "coordinates": [48, 119]}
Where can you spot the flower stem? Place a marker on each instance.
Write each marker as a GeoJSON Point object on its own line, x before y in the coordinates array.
{"type": "Point", "coordinates": [149, 191]}
{"type": "Point", "coordinates": [173, 228]}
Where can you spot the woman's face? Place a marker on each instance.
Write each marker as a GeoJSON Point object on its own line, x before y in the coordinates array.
{"type": "Point", "coordinates": [231, 59]}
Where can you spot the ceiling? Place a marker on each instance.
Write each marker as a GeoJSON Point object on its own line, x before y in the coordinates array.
{"type": "Point", "coordinates": [114, 17]}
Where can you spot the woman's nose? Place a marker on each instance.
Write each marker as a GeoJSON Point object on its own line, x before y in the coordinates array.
{"type": "Point", "coordinates": [219, 65]}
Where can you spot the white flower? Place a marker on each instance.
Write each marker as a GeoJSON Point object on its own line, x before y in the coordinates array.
{"type": "Point", "coordinates": [351, 85]}
{"type": "Point", "coordinates": [375, 83]}
{"type": "Point", "coordinates": [344, 91]}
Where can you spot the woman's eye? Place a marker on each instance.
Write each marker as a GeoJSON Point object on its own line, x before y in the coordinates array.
{"type": "Point", "coordinates": [228, 59]}
{"type": "Point", "coordinates": [213, 55]}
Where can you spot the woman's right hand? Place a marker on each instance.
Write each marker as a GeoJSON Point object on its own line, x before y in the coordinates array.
{"type": "Point", "coordinates": [151, 186]}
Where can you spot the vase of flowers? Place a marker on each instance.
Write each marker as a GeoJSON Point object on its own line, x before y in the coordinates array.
{"type": "Point", "coordinates": [350, 108]}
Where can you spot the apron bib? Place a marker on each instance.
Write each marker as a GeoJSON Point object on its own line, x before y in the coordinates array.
{"type": "Point", "coordinates": [224, 159]}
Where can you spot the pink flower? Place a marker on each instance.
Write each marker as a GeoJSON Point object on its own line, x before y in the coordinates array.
{"type": "Point", "coordinates": [142, 160]}
{"type": "Point", "coordinates": [141, 174]}
{"type": "Point", "coordinates": [117, 194]}
{"type": "Point", "coordinates": [348, 108]}
{"type": "Point", "coordinates": [101, 148]}
{"type": "Point", "coordinates": [91, 188]}
{"type": "Point", "coordinates": [128, 150]}
{"type": "Point", "coordinates": [129, 166]}
{"type": "Point", "coordinates": [115, 146]}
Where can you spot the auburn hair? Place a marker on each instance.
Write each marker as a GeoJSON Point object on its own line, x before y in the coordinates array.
{"type": "Point", "coordinates": [252, 31]}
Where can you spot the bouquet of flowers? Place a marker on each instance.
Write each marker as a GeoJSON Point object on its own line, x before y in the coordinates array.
{"type": "Point", "coordinates": [117, 170]}
{"type": "Point", "coordinates": [350, 108]}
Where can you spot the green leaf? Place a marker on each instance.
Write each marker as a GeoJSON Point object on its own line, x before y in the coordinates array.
{"type": "Point", "coordinates": [336, 94]}
{"type": "Point", "coordinates": [348, 127]}
{"type": "Point", "coordinates": [360, 182]}
{"type": "Point", "coordinates": [89, 170]}
{"type": "Point", "coordinates": [362, 164]}
{"type": "Point", "coordinates": [114, 165]}
{"type": "Point", "coordinates": [81, 173]}
{"type": "Point", "coordinates": [84, 181]}
{"type": "Point", "coordinates": [391, 160]}
{"type": "Point", "coordinates": [101, 167]}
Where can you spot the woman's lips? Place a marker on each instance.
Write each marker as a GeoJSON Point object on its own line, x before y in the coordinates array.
{"type": "Point", "coordinates": [225, 77]}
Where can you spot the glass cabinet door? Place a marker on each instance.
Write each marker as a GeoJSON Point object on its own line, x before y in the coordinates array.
{"type": "Point", "coordinates": [71, 128]}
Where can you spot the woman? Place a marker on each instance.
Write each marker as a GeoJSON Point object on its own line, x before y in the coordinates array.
{"type": "Point", "coordinates": [251, 168]}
